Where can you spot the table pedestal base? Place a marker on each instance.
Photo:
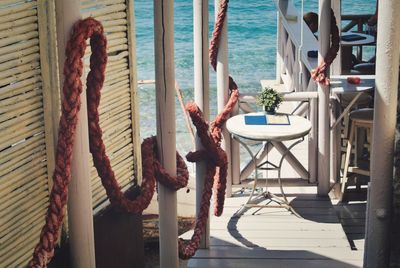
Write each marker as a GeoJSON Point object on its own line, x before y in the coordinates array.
{"type": "Point", "coordinates": [273, 201]}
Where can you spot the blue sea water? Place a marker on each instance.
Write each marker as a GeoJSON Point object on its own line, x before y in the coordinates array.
{"type": "Point", "coordinates": [252, 50]}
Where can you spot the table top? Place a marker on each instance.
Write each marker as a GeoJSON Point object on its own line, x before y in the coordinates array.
{"type": "Point", "coordinates": [369, 39]}
{"type": "Point", "coordinates": [339, 84]}
{"type": "Point", "coordinates": [298, 127]}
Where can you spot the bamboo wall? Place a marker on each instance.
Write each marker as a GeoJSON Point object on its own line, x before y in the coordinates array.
{"type": "Point", "coordinates": [118, 102]}
{"type": "Point", "coordinates": [29, 113]}
{"type": "Point", "coordinates": [26, 126]}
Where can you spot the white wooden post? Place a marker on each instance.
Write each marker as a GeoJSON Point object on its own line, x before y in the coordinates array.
{"type": "Point", "coordinates": [313, 142]}
{"type": "Point", "coordinates": [336, 69]}
{"type": "Point", "coordinates": [279, 50]}
{"type": "Point", "coordinates": [222, 91]}
{"type": "Point", "coordinates": [80, 209]}
{"type": "Point", "coordinates": [201, 94]}
{"type": "Point", "coordinates": [323, 102]}
{"type": "Point", "coordinates": [235, 154]}
{"type": "Point", "coordinates": [166, 138]}
{"type": "Point", "coordinates": [377, 241]}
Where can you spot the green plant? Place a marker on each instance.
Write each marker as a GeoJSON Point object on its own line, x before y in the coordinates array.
{"type": "Point", "coordinates": [269, 98]}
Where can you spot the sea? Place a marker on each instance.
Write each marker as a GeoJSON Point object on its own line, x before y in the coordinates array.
{"type": "Point", "coordinates": [251, 44]}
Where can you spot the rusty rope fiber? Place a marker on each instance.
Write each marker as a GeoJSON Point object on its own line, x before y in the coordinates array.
{"type": "Point", "coordinates": [320, 73]}
{"type": "Point", "coordinates": [214, 156]}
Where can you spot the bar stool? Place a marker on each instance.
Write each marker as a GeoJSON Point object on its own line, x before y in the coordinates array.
{"type": "Point", "coordinates": [361, 118]}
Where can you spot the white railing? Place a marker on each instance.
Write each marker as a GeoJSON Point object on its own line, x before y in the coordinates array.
{"type": "Point", "coordinates": [293, 68]}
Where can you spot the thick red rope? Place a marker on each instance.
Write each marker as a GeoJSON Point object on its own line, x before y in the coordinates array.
{"type": "Point", "coordinates": [320, 73]}
{"type": "Point", "coordinates": [152, 169]}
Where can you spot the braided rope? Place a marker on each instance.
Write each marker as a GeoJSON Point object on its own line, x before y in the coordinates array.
{"type": "Point", "coordinates": [214, 156]}
{"type": "Point", "coordinates": [320, 73]}
{"type": "Point", "coordinates": [216, 35]}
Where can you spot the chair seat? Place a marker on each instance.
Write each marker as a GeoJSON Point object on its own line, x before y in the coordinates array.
{"type": "Point", "coordinates": [365, 115]}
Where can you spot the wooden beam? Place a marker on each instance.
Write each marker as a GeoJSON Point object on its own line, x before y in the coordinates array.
{"type": "Point", "coordinates": [80, 216]}
{"type": "Point", "coordinates": [166, 127]}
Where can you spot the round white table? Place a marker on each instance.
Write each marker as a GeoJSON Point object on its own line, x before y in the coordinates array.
{"type": "Point", "coordinates": [347, 47]}
{"type": "Point", "coordinates": [297, 128]}
{"type": "Point", "coordinates": [366, 39]}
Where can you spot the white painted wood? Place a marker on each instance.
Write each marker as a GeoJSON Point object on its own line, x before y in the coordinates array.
{"type": "Point", "coordinates": [80, 217]}
{"type": "Point", "coordinates": [223, 90]}
{"type": "Point", "coordinates": [235, 154]}
{"type": "Point", "coordinates": [323, 102]}
{"type": "Point", "coordinates": [336, 66]}
{"type": "Point", "coordinates": [201, 94]}
{"type": "Point", "coordinates": [336, 69]}
{"type": "Point", "coordinates": [281, 263]}
{"type": "Point", "coordinates": [279, 51]}
{"type": "Point", "coordinates": [166, 138]}
{"type": "Point", "coordinates": [287, 11]}
{"type": "Point", "coordinates": [274, 237]}
{"type": "Point", "coordinates": [377, 248]}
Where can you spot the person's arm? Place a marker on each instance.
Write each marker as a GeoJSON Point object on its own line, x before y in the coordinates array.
{"type": "Point", "coordinates": [374, 19]}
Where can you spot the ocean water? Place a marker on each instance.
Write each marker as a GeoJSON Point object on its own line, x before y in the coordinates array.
{"type": "Point", "coordinates": [252, 51]}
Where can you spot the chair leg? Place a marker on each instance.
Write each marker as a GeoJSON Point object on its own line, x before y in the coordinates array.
{"type": "Point", "coordinates": [347, 160]}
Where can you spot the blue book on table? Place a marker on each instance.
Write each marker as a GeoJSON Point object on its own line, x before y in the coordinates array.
{"type": "Point", "coordinates": [255, 120]}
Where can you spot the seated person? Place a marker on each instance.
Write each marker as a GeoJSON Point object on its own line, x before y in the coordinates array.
{"type": "Point", "coordinates": [311, 19]}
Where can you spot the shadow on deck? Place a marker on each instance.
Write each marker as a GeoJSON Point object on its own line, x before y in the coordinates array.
{"type": "Point", "coordinates": [274, 237]}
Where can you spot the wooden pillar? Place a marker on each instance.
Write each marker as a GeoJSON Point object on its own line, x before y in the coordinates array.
{"type": "Point", "coordinates": [336, 69]}
{"type": "Point", "coordinates": [323, 102]}
{"type": "Point", "coordinates": [279, 50]}
{"type": "Point", "coordinates": [166, 136]}
{"type": "Point", "coordinates": [80, 214]}
{"type": "Point", "coordinates": [377, 241]}
{"type": "Point", "coordinates": [222, 91]}
{"type": "Point", "coordinates": [201, 94]}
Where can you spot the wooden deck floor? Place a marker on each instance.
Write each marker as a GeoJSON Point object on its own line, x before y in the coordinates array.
{"type": "Point", "coordinates": [274, 237]}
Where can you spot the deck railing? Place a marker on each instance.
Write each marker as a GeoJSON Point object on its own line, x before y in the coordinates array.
{"type": "Point", "coordinates": [293, 67]}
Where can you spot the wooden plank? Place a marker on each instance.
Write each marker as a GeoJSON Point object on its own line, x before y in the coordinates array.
{"type": "Point", "coordinates": [282, 233]}
{"type": "Point", "coordinates": [278, 243]}
{"type": "Point", "coordinates": [281, 263]}
{"type": "Point", "coordinates": [262, 253]}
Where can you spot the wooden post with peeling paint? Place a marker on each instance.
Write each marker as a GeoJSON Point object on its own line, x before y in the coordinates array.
{"type": "Point", "coordinates": [166, 127]}
{"type": "Point", "coordinates": [377, 242]}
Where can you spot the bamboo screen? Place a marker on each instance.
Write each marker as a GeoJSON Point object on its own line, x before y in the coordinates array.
{"type": "Point", "coordinates": [27, 62]}
{"type": "Point", "coordinates": [118, 100]}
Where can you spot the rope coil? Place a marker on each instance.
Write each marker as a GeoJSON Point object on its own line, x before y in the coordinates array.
{"type": "Point", "coordinates": [212, 154]}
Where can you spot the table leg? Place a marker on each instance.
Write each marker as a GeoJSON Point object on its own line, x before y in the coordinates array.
{"type": "Point", "coordinates": [282, 201]}
{"type": "Point", "coordinates": [347, 109]}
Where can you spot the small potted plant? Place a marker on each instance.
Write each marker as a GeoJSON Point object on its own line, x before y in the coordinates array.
{"type": "Point", "coordinates": [270, 99]}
